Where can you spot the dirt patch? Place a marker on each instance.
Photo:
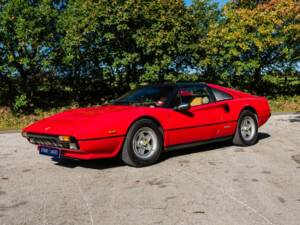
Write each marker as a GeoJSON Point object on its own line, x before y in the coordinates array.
{"type": "Point", "coordinates": [170, 198]}
{"type": "Point", "coordinates": [296, 158]}
{"type": "Point", "coordinates": [5, 155]}
{"type": "Point", "coordinates": [184, 161]}
{"type": "Point", "coordinates": [239, 150]}
{"type": "Point", "coordinates": [266, 172]}
{"type": "Point", "coordinates": [198, 212]}
{"type": "Point", "coordinates": [3, 207]}
{"type": "Point", "coordinates": [155, 182]}
{"type": "Point", "coordinates": [281, 199]}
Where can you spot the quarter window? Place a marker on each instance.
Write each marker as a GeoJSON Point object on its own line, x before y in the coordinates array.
{"type": "Point", "coordinates": [220, 95]}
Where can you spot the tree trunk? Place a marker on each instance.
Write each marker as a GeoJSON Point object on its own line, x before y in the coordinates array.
{"type": "Point", "coordinates": [259, 89]}
{"type": "Point", "coordinates": [257, 75]}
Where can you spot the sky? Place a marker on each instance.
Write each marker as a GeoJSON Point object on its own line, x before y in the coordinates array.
{"type": "Point", "coordinates": [221, 2]}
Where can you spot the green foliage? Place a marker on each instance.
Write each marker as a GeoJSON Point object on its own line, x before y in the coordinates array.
{"type": "Point", "coordinates": [20, 103]}
{"type": "Point", "coordinates": [285, 104]}
{"type": "Point", "coordinates": [246, 3]}
{"type": "Point", "coordinates": [55, 53]}
{"type": "Point", "coordinates": [11, 120]}
{"type": "Point", "coordinates": [26, 39]}
{"type": "Point", "coordinates": [255, 41]}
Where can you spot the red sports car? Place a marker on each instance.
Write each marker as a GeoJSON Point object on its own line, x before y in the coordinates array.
{"type": "Point", "coordinates": [143, 123]}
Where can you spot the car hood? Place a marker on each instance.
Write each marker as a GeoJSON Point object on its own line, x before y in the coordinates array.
{"type": "Point", "coordinates": [82, 123]}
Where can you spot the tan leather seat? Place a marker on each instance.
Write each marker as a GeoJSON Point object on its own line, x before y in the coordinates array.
{"type": "Point", "coordinates": [197, 101]}
{"type": "Point", "coordinates": [205, 100]}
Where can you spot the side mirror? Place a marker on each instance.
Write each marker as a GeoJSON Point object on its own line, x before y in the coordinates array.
{"type": "Point", "coordinates": [182, 107]}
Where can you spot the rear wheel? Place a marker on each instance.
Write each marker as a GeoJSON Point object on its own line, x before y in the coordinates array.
{"type": "Point", "coordinates": [143, 144]}
{"type": "Point", "coordinates": [247, 129]}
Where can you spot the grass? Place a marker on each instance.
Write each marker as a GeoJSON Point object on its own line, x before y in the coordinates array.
{"type": "Point", "coordinates": [8, 120]}
{"type": "Point", "coordinates": [285, 104]}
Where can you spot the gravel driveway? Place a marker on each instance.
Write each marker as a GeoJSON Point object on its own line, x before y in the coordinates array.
{"type": "Point", "coordinates": [211, 185]}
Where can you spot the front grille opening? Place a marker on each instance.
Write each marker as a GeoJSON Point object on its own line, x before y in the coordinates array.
{"type": "Point", "coordinates": [47, 140]}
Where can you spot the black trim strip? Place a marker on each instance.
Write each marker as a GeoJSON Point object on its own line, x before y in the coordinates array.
{"type": "Point", "coordinates": [197, 143]}
{"type": "Point", "coordinates": [205, 125]}
{"type": "Point", "coordinates": [100, 138]}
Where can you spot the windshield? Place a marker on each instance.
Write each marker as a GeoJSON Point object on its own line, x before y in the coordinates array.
{"type": "Point", "coordinates": [149, 95]}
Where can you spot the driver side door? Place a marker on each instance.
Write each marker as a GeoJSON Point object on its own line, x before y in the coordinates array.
{"type": "Point", "coordinates": [200, 122]}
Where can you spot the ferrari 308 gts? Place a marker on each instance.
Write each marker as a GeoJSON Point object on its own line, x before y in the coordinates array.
{"type": "Point", "coordinates": [143, 123]}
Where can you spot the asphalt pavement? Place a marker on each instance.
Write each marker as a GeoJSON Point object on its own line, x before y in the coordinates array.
{"type": "Point", "coordinates": [216, 184]}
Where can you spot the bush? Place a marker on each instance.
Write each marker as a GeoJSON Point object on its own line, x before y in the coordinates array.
{"type": "Point", "coordinates": [21, 102]}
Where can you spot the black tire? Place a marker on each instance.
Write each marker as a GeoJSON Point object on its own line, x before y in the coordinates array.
{"type": "Point", "coordinates": [130, 156]}
{"type": "Point", "coordinates": [240, 139]}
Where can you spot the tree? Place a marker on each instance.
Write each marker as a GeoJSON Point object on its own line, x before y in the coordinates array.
{"type": "Point", "coordinates": [251, 42]}
{"type": "Point", "coordinates": [26, 42]}
{"type": "Point", "coordinates": [87, 51]}
{"type": "Point", "coordinates": [250, 4]}
{"type": "Point", "coordinates": [127, 41]}
{"type": "Point", "coordinates": [205, 14]}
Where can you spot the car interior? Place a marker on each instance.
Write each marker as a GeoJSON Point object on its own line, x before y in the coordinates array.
{"type": "Point", "coordinates": [194, 97]}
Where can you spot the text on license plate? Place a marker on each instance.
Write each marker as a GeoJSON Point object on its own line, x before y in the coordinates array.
{"type": "Point", "coordinates": [49, 151]}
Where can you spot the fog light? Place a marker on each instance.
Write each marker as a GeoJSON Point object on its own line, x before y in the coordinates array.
{"type": "Point", "coordinates": [73, 146]}
{"type": "Point", "coordinates": [24, 134]}
{"type": "Point", "coordinates": [31, 140]}
{"type": "Point", "coordinates": [64, 138]}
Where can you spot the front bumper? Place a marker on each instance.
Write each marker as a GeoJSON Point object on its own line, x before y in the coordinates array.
{"type": "Point", "coordinates": [94, 148]}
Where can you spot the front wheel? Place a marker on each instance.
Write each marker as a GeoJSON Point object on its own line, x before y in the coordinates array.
{"type": "Point", "coordinates": [247, 129]}
{"type": "Point", "coordinates": [143, 144]}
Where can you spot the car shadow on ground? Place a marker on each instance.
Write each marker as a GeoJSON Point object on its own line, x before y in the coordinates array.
{"type": "Point", "coordinates": [101, 164]}
{"type": "Point", "coordinates": [295, 119]}
{"type": "Point", "coordinates": [204, 148]}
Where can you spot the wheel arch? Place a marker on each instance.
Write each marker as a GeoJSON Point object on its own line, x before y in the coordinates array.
{"type": "Point", "coordinates": [146, 117]}
{"type": "Point", "coordinates": [156, 121]}
{"type": "Point", "coordinates": [249, 108]}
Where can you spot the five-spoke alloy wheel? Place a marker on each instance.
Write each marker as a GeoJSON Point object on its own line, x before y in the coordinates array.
{"type": "Point", "coordinates": [247, 129]}
{"type": "Point", "coordinates": [143, 143]}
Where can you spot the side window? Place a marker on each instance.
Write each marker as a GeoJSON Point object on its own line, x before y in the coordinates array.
{"type": "Point", "coordinates": [195, 95]}
{"type": "Point", "coordinates": [220, 95]}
